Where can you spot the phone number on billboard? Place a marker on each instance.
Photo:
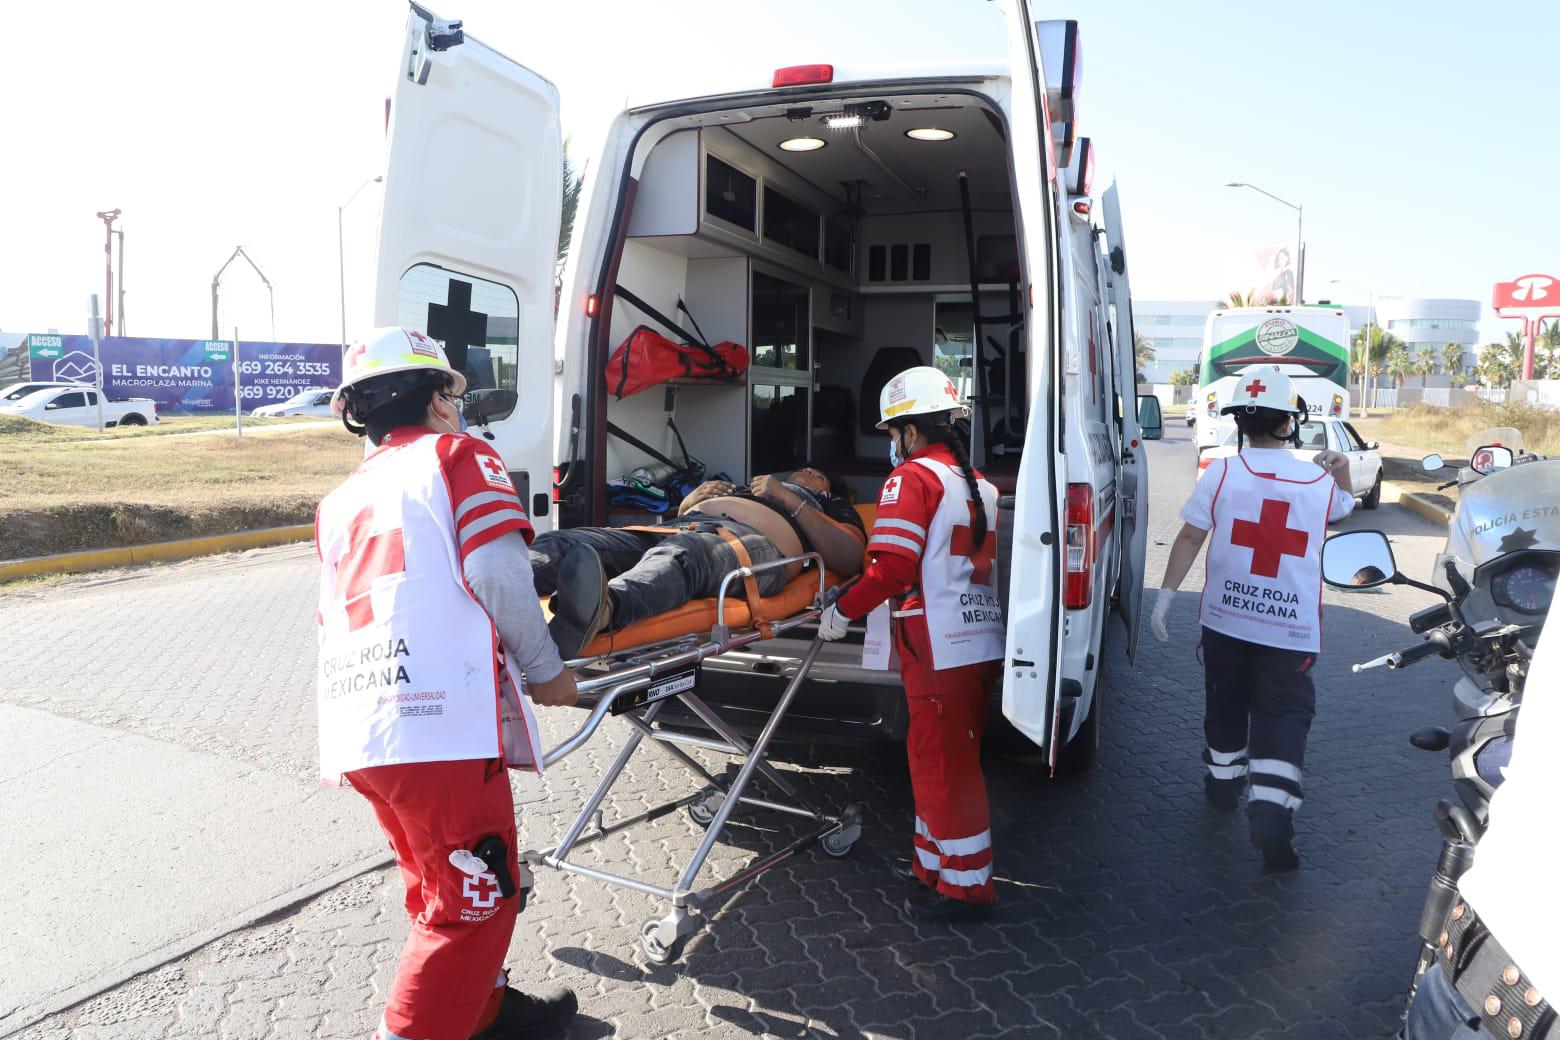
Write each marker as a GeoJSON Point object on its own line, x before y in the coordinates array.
{"type": "Point", "coordinates": [283, 368]}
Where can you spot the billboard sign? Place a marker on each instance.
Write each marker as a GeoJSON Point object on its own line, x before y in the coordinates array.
{"type": "Point", "coordinates": [188, 375]}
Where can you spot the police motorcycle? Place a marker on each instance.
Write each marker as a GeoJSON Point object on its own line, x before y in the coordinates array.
{"type": "Point", "coordinates": [1497, 576]}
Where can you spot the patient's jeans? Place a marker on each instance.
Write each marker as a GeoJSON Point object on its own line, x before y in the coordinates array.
{"type": "Point", "coordinates": [654, 573]}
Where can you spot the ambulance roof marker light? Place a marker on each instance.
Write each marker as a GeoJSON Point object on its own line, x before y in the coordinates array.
{"type": "Point", "coordinates": [802, 75]}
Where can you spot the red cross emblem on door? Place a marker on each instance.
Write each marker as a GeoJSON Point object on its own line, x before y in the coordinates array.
{"type": "Point", "coordinates": [1270, 538]}
{"type": "Point", "coordinates": [982, 558]}
{"type": "Point", "coordinates": [368, 556]}
{"type": "Point", "coordinates": [1255, 388]}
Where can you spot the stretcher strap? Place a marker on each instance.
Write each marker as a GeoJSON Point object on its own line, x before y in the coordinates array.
{"type": "Point", "coordinates": [749, 585]}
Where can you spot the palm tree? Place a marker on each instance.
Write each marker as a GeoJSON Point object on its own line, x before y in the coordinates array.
{"type": "Point", "coordinates": [1250, 299]}
{"type": "Point", "coordinates": [1549, 343]}
{"type": "Point", "coordinates": [1142, 352]}
{"type": "Point", "coordinates": [573, 181]}
{"type": "Point", "coordinates": [1399, 364]}
{"type": "Point", "coordinates": [1452, 355]}
{"type": "Point", "coordinates": [1424, 366]}
{"type": "Point", "coordinates": [1496, 367]}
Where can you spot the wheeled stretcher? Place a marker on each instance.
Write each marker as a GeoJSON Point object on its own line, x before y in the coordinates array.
{"type": "Point", "coordinates": [635, 678]}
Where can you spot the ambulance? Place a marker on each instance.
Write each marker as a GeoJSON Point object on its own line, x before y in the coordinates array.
{"type": "Point", "coordinates": [839, 219]}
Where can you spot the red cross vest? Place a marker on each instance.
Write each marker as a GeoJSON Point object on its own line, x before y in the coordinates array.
{"type": "Point", "coordinates": [1264, 562]}
{"type": "Point", "coordinates": [410, 666]}
{"type": "Point", "coordinates": [959, 584]}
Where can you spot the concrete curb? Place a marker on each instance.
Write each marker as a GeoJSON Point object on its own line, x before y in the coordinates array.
{"type": "Point", "coordinates": [1395, 492]}
{"type": "Point", "coordinates": [130, 555]}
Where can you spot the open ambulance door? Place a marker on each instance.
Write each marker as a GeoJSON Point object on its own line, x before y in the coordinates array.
{"type": "Point", "coordinates": [1133, 480]}
{"type": "Point", "coordinates": [1032, 673]}
{"type": "Point", "coordinates": [469, 231]}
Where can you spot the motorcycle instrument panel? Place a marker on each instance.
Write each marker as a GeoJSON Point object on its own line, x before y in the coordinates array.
{"type": "Point", "coordinates": [1526, 588]}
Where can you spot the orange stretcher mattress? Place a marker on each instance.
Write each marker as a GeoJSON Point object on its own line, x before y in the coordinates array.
{"type": "Point", "coordinates": [698, 615]}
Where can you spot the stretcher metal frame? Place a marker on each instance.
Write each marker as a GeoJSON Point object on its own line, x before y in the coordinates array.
{"type": "Point", "coordinates": [634, 670]}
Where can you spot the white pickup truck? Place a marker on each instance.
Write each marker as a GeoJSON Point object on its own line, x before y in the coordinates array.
{"type": "Point", "coordinates": [77, 406]}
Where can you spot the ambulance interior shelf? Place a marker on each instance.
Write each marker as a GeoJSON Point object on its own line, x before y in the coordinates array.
{"type": "Point", "coordinates": [636, 683]}
{"type": "Point", "coordinates": [646, 358]}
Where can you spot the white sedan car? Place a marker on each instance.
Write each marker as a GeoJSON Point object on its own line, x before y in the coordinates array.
{"type": "Point", "coordinates": [1364, 459]}
{"type": "Point", "coordinates": [313, 401]}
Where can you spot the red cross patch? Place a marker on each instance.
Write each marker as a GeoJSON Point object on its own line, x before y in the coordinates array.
{"type": "Point", "coordinates": [368, 557]}
{"type": "Point", "coordinates": [982, 558]}
{"type": "Point", "coordinates": [890, 493]}
{"type": "Point", "coordinates": [494, 473]}
{"type": "Point", "coordinates": [1270, 538]}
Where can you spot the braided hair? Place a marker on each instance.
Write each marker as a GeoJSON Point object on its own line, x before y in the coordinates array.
{"type": "Point", "coordinates": [939, 428]}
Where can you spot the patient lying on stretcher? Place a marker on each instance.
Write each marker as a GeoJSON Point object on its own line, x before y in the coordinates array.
{"type": "Point", "coordinates": [606, 578]}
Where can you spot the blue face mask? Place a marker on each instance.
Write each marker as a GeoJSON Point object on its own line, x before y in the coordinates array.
{"type": "Point", "coordinates": [894, 458]}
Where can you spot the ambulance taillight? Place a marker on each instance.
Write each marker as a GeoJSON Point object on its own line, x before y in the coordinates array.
{"type": "Point", "coordinates": [1080, 546]}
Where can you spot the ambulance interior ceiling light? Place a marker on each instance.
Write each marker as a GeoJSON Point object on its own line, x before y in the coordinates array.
{"type": "Point", "coordinates": [930, 133]}
{"type": "Point", "coordinates": [802, 144]}
{"type": "Point", "coordinates": [853, 116]}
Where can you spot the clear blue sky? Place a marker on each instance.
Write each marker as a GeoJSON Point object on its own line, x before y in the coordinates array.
{"type": "Point", "coordinates": [1399, 126]}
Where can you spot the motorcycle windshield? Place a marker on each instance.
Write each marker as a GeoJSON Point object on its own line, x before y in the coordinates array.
{"type": "Point", "coordinates": [1499, 436]}
{"type": "Point", "coordinates": [1505, 512]}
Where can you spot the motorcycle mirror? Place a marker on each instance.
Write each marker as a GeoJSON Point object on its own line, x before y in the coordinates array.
{"type": "Point", "coordinates": [1431, 463]}
{"type": "Point", "coordinates": [1358, 560]}
{"type": "Point", "coordinates": [1491, 458]}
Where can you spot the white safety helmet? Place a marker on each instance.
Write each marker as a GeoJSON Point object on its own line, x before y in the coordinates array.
{"type": "Point", "coordinates": [387, 352]}
{"type": "Point", "coordinates": [921, 390]}
{"type": "Point", "coordinates": [1264, 386]}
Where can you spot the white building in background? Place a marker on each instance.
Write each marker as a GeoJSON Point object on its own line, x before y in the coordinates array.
{"type": "Point", "coordinates": [1428, 325]}
{"type": "Point", "coordinates": [1174, 328]}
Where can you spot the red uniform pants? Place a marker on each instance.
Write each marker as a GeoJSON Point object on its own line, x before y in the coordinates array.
{"type": "Point", "coordinates": [947, 717]}
{"type": "Point", "coordinates": [449, 981]}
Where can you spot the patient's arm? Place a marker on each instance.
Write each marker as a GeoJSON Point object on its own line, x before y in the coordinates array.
{"type": "Point", "coordinates": [840, 546]}
{"type": "Point", "coordinates": [708, 489]}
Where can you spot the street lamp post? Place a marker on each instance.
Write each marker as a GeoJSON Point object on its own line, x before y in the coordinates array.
{"type": "Point", "coordinates": [216, 281]}
{"type": "Point", "coordinates": [1370, 320]}
{"type": "Point", "coordinates": [108, 217]}
{"type": "Point", "coordinates": [1299, 236]}
{"type": "Point", "coordinates": [341, 261]}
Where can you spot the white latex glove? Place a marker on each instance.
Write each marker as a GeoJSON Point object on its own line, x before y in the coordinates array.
{"type": "Point", "coordinates": [832, 624]}
{"type": "Point", "coordinates": [1161, 611]}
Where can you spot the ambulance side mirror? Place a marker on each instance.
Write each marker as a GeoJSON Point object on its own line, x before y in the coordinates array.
{"type": "Point", "coordinates": [483, 406]}
{"type": "Point", "coordinates": [1358, 560]}
{"type": "Point", "coordinates": [1150, 419]}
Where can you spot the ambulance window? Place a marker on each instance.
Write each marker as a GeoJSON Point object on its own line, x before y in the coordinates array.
{"type": "Point", "coordinates": [779, 428]}
{"type": "Point", "coordinates": [790, 224]}
{"type": "Point", "coordinates": [730, 194]}
{"type": "Point", "coordinates": [476, 321]}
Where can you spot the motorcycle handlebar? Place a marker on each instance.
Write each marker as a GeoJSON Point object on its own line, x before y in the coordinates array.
{"type": "Point", "coordinates": [1436, 642]}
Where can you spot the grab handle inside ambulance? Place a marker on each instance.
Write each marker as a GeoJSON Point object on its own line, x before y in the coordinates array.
{"type": "Point", "coordinates": [1358, 560]}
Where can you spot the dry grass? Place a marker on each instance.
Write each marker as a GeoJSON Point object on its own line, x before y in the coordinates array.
{"type": "Point", "coordinates": [64, 491]}
{"type": "Point", "coordinates": [1446, 430]}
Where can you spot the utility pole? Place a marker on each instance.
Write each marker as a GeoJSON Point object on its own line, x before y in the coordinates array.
{"type": "Point", "coordinates": [123, 330]}
{"type": "Point", "coordinates": [108, 217]}
{"type": "Point", "coordinates": [95, 330]}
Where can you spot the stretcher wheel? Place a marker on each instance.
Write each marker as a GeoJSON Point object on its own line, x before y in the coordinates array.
{"type": "Point", "coordinates": [702, 812]}
{"type": "Point", "coordinates": [839, 843]}
{"type": "Point", "coordinates": [655, 951]}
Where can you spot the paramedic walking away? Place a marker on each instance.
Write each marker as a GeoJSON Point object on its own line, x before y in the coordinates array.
{"type": "Point", "coordinates": [934, 544]}
{"type": "Point", "coordinates": [428, 627]}
{"type": "Point", "coordinates": [1261, 608]}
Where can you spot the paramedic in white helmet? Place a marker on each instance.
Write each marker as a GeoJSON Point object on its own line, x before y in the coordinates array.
{"type": "Point", "coordinates": [1261, 607]}
{"type": "Point", "coordinates": [428, 627]}
{"type": "Point", "coordinates": [933, 556]}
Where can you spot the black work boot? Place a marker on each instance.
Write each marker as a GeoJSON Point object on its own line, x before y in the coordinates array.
{"type": "Point", "coordinates": [1222, 794]}
{"type": "Point", "coordinates": [931, 905]}
{"type": "Point", "coordinates": [1273, 832]}
{"type": "Point", "coordinates": [582, 607]}
{"type": "Point", "coordinates": [525, 1017]}
{"type": "Point", "coordinates": [904, 872]}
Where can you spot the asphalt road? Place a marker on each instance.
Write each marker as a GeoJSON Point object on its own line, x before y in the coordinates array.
{"type": "Point", "coordinates": [179, 705]}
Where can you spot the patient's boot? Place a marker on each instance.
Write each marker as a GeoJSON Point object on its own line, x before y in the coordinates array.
{"type": "Point", "coordinates": [582, 607]}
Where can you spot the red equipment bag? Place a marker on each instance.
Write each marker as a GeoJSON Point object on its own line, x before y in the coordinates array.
{"type": "Point", "coordinates": [647, 358]}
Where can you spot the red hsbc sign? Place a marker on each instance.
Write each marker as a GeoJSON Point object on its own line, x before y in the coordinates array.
{"type": "Point", "coordinates": [1531, 292]}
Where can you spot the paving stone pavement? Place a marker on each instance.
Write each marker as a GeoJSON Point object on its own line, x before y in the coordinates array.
{"type": "Point", "coordinates": [1128, 908]}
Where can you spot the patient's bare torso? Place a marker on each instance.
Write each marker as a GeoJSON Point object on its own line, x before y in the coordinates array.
{"type": "Point", "coordinates": [759, 517]}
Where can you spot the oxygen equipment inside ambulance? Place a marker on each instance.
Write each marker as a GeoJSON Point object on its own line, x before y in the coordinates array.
{"type": "Point", "coordinates": [746, 274]}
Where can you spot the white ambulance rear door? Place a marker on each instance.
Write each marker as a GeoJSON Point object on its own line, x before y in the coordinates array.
{"type": "Point", "coordinates": [1132, 482]}
{"type": "Point", "coordinates": [1032, 673]}
{"type": "Point", "coordinates": [468, 231]}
